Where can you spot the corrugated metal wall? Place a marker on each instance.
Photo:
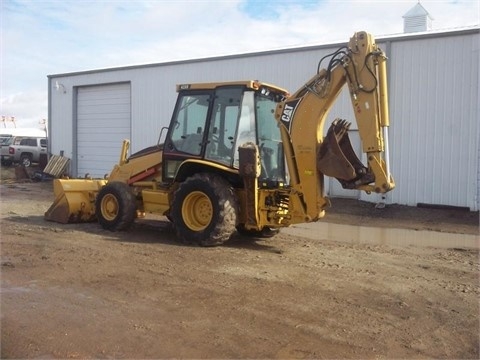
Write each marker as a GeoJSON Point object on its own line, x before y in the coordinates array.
{"type": "Point", "coordinates": [433, 103]}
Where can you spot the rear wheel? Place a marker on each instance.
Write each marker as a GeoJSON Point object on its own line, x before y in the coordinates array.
{"type": "Point", "coordinates": [115, 206]}
{"type": "Point", "coordinates": [204, 210]}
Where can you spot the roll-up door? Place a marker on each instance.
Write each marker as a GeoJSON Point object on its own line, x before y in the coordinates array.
{"type": "Point", "coordinates": [103, 122]}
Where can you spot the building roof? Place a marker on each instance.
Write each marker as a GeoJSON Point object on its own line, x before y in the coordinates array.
{"type": "Point", "coordinates": [379, 39]}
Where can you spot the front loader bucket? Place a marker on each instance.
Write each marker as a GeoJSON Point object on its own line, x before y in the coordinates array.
{"type": "Point", "coordinates": [74, 200]}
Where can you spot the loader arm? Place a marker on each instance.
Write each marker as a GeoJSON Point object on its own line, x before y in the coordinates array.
{"type": "Point", "coordinates": [310, 156]}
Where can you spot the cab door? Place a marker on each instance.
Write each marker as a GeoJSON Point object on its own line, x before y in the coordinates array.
{"type": "Point", "coordinates": [224, 118]}
{"type": "Point", "coordinates": [186, 135]}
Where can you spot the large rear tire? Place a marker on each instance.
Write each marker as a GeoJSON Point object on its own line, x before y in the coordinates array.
{"type": "Point", "coordinates": [204, 210]}
{"type": "Point", "coordinates": [115, 206]}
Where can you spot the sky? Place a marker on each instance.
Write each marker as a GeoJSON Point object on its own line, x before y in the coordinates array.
{"type": "Point", "coordinates": [46, 37]}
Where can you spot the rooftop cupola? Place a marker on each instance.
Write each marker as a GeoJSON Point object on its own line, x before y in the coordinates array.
{"type": "Point", "coordinates": [417, 19]}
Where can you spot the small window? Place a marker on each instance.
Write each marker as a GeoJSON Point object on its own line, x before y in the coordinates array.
{"type": "Point", "coordinates": [28, 142]}
{"type": "Point", "coordinates": [17, 141]}
{"type": "Point", "coordinates": [43, 142]}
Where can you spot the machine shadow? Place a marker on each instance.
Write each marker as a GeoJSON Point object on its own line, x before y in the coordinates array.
{"type": "Point", "coordinates": [142, 231]}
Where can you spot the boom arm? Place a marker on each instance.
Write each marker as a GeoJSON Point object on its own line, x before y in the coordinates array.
{"type": "Point", "coordinates": [361, 66]}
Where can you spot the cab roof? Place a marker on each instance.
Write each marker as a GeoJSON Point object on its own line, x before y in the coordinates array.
{"type": "Point", "coordinates": [251, 84]}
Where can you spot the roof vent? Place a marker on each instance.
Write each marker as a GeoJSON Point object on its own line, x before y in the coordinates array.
{"type": "Point", "coordinates": [417, 19]}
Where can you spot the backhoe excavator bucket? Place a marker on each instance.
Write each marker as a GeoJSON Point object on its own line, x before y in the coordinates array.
{"type": "Point", "coordinates": [74, 200]}
{"type": "Point", "coordinates": [336, 157]}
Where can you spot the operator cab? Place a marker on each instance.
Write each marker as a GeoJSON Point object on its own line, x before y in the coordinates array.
{"type": "Point", "coordinates": [211, 121]}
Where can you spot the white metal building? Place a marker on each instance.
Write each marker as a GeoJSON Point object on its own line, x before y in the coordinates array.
{"type": "Point", "coordinates": [434, 110]}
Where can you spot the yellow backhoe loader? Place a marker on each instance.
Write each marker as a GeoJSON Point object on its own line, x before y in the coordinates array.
{"type": "Point", "coordinates": [247, 156]}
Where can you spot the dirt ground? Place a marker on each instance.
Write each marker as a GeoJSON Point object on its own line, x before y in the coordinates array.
{"type": "Point", "coordinates": [78, 291]}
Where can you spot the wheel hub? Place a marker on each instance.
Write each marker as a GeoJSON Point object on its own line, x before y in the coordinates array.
{"type": "Point", "coordinates": [109, 207]}
{"type": "Point", "coordinates": [197, 211]}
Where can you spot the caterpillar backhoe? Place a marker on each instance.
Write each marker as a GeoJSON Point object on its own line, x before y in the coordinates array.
{"type": "Point", "coordinates": [247, 156]}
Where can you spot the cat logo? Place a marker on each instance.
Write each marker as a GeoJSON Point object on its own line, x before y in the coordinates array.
{"type": "Point", "coordinates": [288, 112]}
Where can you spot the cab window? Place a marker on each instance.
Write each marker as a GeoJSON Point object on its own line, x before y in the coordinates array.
{"type": "Point", "coordinates": [189, 123]}
{"type": "Point", "coordinates": [223, 125]}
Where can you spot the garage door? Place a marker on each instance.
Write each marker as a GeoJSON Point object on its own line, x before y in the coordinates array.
{"type": "Point", "coordinates": [103, 122]}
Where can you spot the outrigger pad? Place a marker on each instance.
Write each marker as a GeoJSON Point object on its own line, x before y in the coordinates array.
{"type": "Point", "coordinates": [336, 157]}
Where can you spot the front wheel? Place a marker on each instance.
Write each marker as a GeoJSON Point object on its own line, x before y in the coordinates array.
{"type": "Point", "coordinates": [204, 210]}
{"type": "Point", "coordinates": [115, 206]}
{"type": "Point", "coordinates": [26, 160]}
